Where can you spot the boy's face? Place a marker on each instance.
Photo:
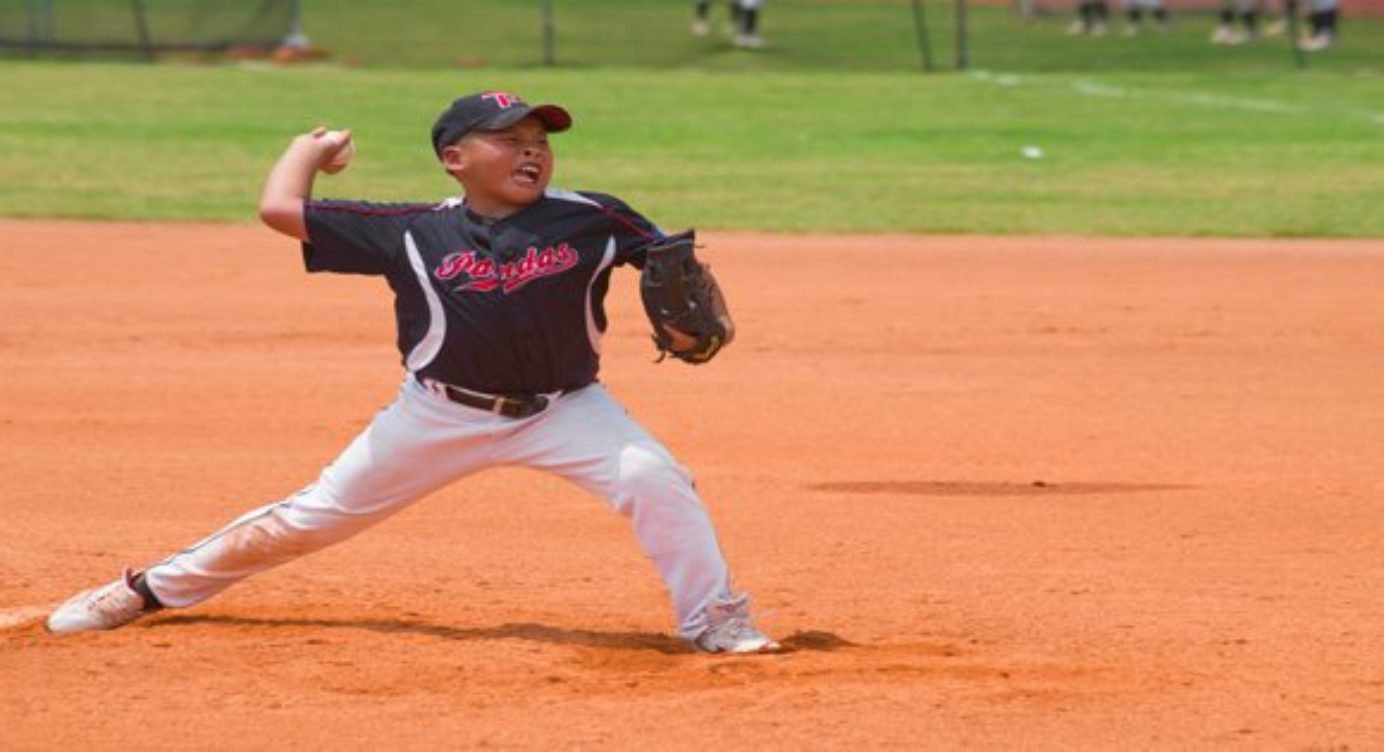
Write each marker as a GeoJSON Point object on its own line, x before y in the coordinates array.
{"type": "Point", "coordinates": [502, 171]}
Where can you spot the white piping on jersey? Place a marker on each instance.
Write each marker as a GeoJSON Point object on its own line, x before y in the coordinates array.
{"type": "Point", "coordinates": [593, 333]}
{"type": "Point", "coordinates": [431, 344]}
{"type": "Point", "coordinates": [575, 197]}
{"type": "Point", "coordinates": [570, 196]}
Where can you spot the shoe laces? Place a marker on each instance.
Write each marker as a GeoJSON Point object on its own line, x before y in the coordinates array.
{"type": "Point", "coordinates": [105, 600]}
{"type": "Point", "coordinates": [738, 627]}
{"type": "Point", "coordinates": [111, 598]}
{"type": "Point", "coordinates": [730, 618]}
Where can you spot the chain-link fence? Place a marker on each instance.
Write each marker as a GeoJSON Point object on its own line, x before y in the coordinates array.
{"type": "Point", "coordinates": [146, 27]}
{"type": "Point", "coordinates": [776, 35]}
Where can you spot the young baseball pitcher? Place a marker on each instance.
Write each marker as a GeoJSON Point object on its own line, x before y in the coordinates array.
{"type": "Point", "coordinates": [499, 305]}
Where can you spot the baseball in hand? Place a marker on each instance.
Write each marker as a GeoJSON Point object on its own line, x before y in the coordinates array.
{"type": "Point", "coordinates": [343, 151]}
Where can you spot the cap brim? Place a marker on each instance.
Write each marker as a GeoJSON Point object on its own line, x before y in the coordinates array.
{"type": "Point", "coordinates": [553, 117]}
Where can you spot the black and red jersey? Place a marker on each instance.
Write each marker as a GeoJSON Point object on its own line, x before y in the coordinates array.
{"type": "Point", "coordinates": [514, 305]}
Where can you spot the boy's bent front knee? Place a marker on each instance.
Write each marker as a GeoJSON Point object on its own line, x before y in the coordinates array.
{"type": "Point", "coordinates": [647, 474]}
{"type": "Point", "coordinates": [657, 495]}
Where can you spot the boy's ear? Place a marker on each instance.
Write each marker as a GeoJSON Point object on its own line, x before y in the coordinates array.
{"type": "Point", "coordinates": [453, 159]}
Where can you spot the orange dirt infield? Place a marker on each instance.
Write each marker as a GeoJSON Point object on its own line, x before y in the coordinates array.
{"type": "Point", "coordinates": [993, 493]}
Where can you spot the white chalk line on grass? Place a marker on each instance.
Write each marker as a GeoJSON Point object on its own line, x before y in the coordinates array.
{"type": "Point", "coordinates": [1216, 101]}
{"type": "Point", "coordinates": [22, 616]}
{"type": "Point", "coordinates": [1198, 99]}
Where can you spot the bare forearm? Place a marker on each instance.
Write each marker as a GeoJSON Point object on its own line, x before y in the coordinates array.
{"type": "Point", "coordinates": [290, 181]}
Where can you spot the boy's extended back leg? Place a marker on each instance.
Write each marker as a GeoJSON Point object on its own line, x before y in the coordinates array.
{"type": "Point", "coordinates": [408, 450]}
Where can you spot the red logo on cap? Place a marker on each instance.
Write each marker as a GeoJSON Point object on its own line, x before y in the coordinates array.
{"type": "Point", "coordinates": [504, 100]}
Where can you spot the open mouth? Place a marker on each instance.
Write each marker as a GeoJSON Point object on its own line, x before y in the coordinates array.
{"type": "Point", "coordinates": [528, 174]}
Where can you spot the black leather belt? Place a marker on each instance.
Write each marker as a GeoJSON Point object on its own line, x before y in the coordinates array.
{"type": "Point", "coordinates": [506, 405]}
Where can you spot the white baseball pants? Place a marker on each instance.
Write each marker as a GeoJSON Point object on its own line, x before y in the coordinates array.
{"type": "Point", "coordinates": [422, 442]}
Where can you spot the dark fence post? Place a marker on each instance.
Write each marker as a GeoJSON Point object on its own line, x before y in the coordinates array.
{"type": "Point", "coordinates": [1290, 8]}
{"type": "Point", "coordinates": [39, 14]}
{"type": "Point", "coordinates": [549, 57]}
{"type": "Point", "coordinates": [146, 42]}
{"type": "Point", "coordinates": [920, 29]}
{"type": "Point", "coordinates": [963, 60]}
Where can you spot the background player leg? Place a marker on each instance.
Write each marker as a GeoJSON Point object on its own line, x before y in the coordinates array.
{"type": "Point", "coordinates": [1134, 15]}
{"type": "Point", "coordinates": [1323, 18]}
{"type": "Point", "coordinates": [1225, 32]}
{"type": "Point", "coordinates": [701, 18]}
{"type": "Point", "coordinates": [1249, 17]}
{"type": "Point", "coordinates": [748, 25]}
{"type": "Point", "coordinates": [1082, 23]}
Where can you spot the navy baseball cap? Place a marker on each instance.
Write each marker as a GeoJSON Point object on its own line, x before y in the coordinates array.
{"type": "Point", "coordinates": [492, 111]}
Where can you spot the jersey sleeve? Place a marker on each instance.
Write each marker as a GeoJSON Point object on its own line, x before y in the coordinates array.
{"type": "Point", "coordinates": [355, 237]}
{"type": "Point", "coordinates": [633, 231]}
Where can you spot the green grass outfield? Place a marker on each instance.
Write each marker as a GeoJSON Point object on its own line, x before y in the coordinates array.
{"type": "Point", "coordinates": [1228, 141]}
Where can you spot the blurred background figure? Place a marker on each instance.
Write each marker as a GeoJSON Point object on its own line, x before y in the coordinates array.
{"type": "Point", "coordinates": [1322, 18]}
{"type": "Point", "coordinates": [1134, 14]}
{"type": "Point", "coordinates": [701, 20]}
{"type": "Point", "coordinates": [1092, 17]}
{"type": "Point", "coordinates": [1273, 14]}
{"type": "Point", "coordinates": [1244, 11]}
{"type": "Point", "coordinates": [744, 22]}
{"type": "Point", "coordinates": [748, 36]}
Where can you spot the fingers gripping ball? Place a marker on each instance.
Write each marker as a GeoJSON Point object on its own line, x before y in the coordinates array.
{"type": "Point", "coordinates": [683, 302]}
{"type": "Point", "coordinates": [341, 150]}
